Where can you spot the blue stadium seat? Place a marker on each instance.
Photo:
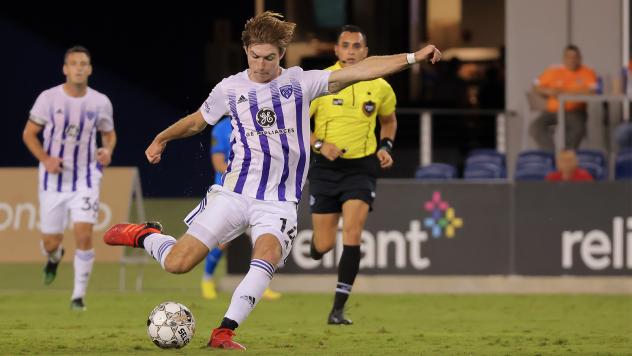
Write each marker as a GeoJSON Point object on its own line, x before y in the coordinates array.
{"type": "Point", "coordinates": [532, 171]}
{"type": "Point", "coordinates": [537, 156]}
{"type": "Point", "coordinates": [594, 161]}
{"type": "Point", "coordinates": [534, 165]}
{"type": "Point", "coordinates": [623, 165]}
{"type": "Point", "coordinates": [435, 171]}
{"type": "Point", "coordinates": [483, 171]}
{"type": "Point", "coordinates": [487, 155]}
{"type": "Point", "coordinates": [485, 164]}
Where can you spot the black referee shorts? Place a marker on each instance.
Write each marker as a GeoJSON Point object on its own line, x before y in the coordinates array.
{"type": "Point", "coordinates": [333, 183]}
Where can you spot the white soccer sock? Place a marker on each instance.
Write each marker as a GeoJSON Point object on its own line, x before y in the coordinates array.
{"type": "Point", "coordinates": [249, 291]}
{"type": "Point", "coordinates": [54, 256]}
{"type": "Point", "coordinates": [159, 246]}
{"type": "Point", "coordinates": [84, 259]}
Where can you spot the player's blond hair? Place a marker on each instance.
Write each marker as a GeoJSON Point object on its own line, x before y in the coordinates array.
{"type": "Point", "coordinates": [268, 27]}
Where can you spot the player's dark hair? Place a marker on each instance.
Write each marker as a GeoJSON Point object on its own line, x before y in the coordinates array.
{"type": "Point", "coordinates": [77, 49]}
{"type": "Point", "coordinates": [352, 29]}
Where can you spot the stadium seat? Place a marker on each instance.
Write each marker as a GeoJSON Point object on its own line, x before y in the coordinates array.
{"type": "Point", "coordinates": [623, 165]}
{"type": "Point", "coordinates": [483, 171]}
{"type": "Point", "coordinates": [532, 171]}
{"type": "Point", "coordinates": [594, 161]}
{"type": "Point", "coordinates": [436, 171]}
{"type": "Point", "coordinates": [487, 155]}
{"type": "Point", "coordinates": [534, 165]}
{"type": "Point", "coordinates": [485, 164]}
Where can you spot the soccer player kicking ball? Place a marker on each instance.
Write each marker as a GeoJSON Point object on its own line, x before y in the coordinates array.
{"type": "Point", "coordinates": [269, 109]}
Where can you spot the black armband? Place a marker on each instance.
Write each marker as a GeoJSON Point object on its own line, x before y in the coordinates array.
{"type": "Point", "coordinates": [386, 144]}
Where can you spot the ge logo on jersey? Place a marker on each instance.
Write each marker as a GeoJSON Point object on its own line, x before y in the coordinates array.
{"type": "Point", "coordinates": [266, 117]}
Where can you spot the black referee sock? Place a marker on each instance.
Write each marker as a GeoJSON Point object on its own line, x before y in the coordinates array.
{"type": "Point", "coordinates": [347, 272]}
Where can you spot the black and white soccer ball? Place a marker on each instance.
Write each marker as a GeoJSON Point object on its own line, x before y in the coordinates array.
{"type": "Point", "coordinates": [171, 325]}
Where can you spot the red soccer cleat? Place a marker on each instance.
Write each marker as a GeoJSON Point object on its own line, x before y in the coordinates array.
{"type": "Point", "coordinates": [128, 234]}
{"type": "Point", "coordinates": [222, 338]}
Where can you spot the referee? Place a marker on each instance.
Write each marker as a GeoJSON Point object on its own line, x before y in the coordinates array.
{"type": "Point", "coordinates": [342, 178]}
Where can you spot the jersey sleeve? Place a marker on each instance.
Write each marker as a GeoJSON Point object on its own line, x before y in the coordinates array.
{"type": "Point", "coordinates": [388, 101]}
{"type": "Point", "coordinates": [220, 138]}
{"type": "Point", "coordinates": [214, 107]}
{"type": "Point", "coordinates": [105, 121]}
{"type": "Point", "coordinates": [41, 110]}
{"type": "Point", "coordinates": [316, 83]}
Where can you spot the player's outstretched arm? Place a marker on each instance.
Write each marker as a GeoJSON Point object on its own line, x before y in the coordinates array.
{"type": "Point", "coordinates": [378, 66]}
{"type": "Point", "coordinates": [185, 127]}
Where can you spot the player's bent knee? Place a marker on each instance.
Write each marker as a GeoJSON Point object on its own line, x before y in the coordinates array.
{"type": "Point", "coordinates": [268, 248]}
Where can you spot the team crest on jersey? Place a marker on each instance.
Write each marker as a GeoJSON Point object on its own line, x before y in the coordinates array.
{"type": "Point", "coordinates": [266, 117]}
{"type": "Point", "coordinates": [368, 108]}
{"type": "Point", "coordinates": [286, 91]}
{"type": "Point", "coordinates": [90, 115]}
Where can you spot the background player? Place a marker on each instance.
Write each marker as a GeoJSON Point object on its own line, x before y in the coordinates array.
{"type": "Point", "coordinates": [70, 165]}
{"type": "Point", "coordinates": [343, 173]}
{"type": "Point", "coordinates": [268, 165]}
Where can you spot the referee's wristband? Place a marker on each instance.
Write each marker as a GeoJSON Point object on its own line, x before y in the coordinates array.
{"type": "Point", "coordinates": [387, 145]}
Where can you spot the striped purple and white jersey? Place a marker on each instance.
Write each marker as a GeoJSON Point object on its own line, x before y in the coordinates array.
{"type": "Point", "coordinates": [70, 129]}
{"type": "Point", "coordinates": [270, 144]}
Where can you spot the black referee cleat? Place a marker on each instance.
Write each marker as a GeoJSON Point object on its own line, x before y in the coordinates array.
{"type": "Point", "coordinates": [50, 270]}
{"type": "Point", "coordinates": [313, 253]}
{"type": "Point", "coordinates": [337, 317]}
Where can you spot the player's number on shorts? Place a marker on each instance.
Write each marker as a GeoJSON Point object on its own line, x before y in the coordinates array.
{"type": "Point", "coordinates": [90, 205]}
{"type": "Point", "coordinates": [291, 233]}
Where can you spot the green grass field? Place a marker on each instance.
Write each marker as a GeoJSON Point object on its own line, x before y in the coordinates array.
{"type": "Point", "coordinates": [37, 319]}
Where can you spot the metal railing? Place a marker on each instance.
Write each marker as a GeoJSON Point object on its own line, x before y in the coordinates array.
{"type": "Point", "coordinates": [426, 117]}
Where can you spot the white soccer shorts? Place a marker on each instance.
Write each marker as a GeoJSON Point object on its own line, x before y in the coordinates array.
{"type": "Point", "coordinates": [223, 215]}
{"type": "Point", "coordinates": [54, 206]}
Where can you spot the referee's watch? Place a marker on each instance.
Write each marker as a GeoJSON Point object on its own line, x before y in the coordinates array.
{"type": "Point", "coordinates": [318, 144]}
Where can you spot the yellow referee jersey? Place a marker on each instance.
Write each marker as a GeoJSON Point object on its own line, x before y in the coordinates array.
{"type": "Point", "coordinates": [348, 118]}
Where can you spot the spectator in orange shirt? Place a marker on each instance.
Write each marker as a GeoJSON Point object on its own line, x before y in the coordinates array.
{"type": "Point", "coordinates": [568, 169]}
{"type": "Point", "coordinates": [570, 78]}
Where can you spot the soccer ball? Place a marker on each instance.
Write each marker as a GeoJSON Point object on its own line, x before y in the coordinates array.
{"type": "Point", "coordinates": [170, 325]}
